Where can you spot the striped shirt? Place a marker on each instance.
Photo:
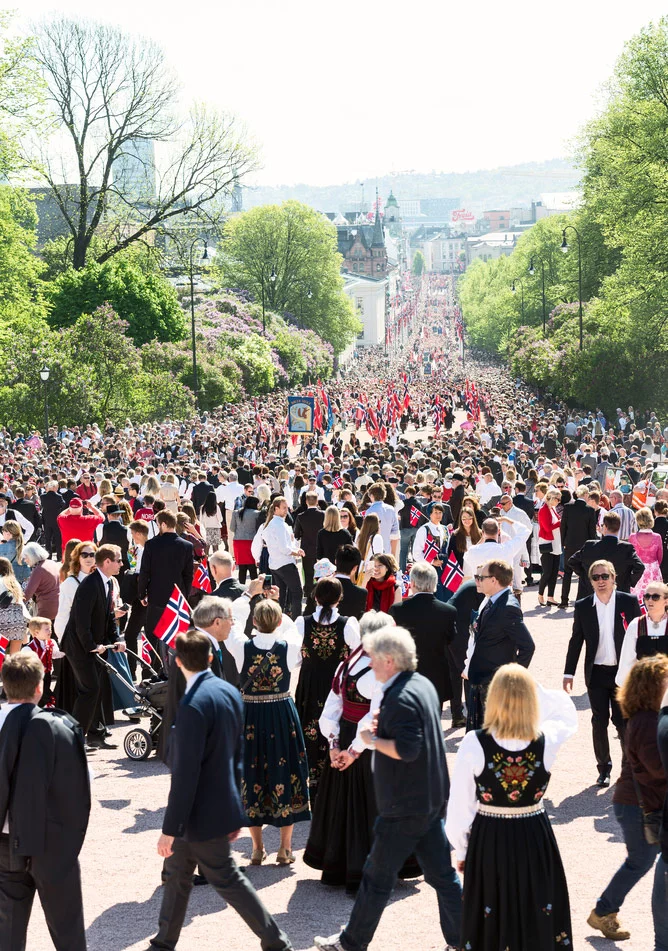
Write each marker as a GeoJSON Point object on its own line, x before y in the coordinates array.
{"type": "Point", "coordinates": [628, 521]}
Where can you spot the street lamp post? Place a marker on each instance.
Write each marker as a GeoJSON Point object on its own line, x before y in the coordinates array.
{"type": "Point", "coordinates": [205, 257]}
{"type": "Point", "coordinates": [532, 271]}
{"type": "Point", "coordinates": [564, 248]}
{"type": "Point", "coordinates": [514, 290]}
{"type": "Point", "coordinates": [44, 376]}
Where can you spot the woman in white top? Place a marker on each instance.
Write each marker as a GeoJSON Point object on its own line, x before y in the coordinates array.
{"type": "Point", "coordinates": [169, 493]}
{"type": "Point", "coordinates": [370, 543]}
{"type": "Point", "coordinates": [515, 892]}
{"type": "Point", "coordinates": [432, 533]}
{"type": "Point", "coordinates": [82, 562]}
{"type": "Point", "coordinates": [646, 636]}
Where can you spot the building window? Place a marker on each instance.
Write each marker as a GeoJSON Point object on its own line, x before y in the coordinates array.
{"type": "Point", "coordinates": [359, 303]}
{"type": "Point", "coordinates": [379, 266]}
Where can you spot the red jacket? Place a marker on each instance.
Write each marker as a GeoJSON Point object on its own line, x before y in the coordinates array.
{"type": "Point", "coordinates": [78, 526]}
{"type": "Point", "coordinates": [548, 522]}
{"type": "Point", "coordinates": [86, 492]}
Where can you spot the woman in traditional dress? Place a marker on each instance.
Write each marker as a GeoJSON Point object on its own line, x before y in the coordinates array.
{"type": "Point", "coordinates": [515, 893]}
{"type": "Point", "coordinates": [645, 636]}
{"type": "Point", "coordinates": [327, 639]}
{"type": "Point", "coordinates": [649, 547]}
{"type": "Point", "coordinates": [274, 787]}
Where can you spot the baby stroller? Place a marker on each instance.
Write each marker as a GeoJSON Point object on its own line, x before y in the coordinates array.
{"type": "Point", "coordinates": [149, 698]}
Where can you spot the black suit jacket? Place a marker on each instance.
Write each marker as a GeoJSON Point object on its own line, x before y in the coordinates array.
{"type": "Point", "coordinates": [206, 761]}
{"type": "Point", "coordinates": [167, 560]}
{"type": "Point", "coordinates": [502, 638]}
{"type": "Point", "coordinates": [586, 630]}
{"type": "Point", "coordinates": [465, 601]}
{"type": "Point", "coordinates": [628, 566]}
{"type": "Point", "coordinates": [52, 505]}
{"type": "Point", "coordinates": [525, 504]}
{"type": "Point", "coordinates": [433, 627]}
{"type": "Point", "coordinates": [578, 525]}
{"type": "Point", "coordinates": [353, 602]}
{"type": "Point", "coordinates": [91, 622]}
{"type": "Point", "coordinates": [199, 494]}
{"type": "Point", "coordinates": [661, 528]}
{"type": "Point", "coordinates": [49, 804]}
{"type": "Point", "coordinates": [229, 588]}
{"type": "Point", "coordinates": [115, 533]}
{"type": "Point", "coordinates": [307, 525]}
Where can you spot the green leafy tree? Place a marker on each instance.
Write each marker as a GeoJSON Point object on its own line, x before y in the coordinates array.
{"type": "Point", "coordinates": [138, 295]}
{"type": "Point", "coordinates": [418, 264]}
{"type": "Point", "coordinates": [21, 93]}
{"type": "Point", "coordinates": [298, 247]}
{"type": "Point", "coordinates": [21, 287]}
{"type": "Point", "coordinates": [253, 356]}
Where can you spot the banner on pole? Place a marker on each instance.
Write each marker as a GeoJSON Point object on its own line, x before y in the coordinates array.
{"type": "Point", "coordinates": [300, 414]}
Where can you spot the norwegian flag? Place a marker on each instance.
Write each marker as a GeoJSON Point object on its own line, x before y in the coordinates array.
{"type": "Point", "coordinates": [175, 619]}
{"type": "Point", "coordinates": [360, 412]}
{"type": "Point", "coordinates": [146, 655]}
{"type": "Point", "coordinates": [337, 481]}
{"type": "Point", "coordinates": [431, 549]}
{"type": "Point", "coordinates": [4, 643]}
{"type": "Point", "coordinates": [405, 584]}
{"type": "Point", "coordinates": [452, 575]}
{"type": "Point", "coordinates": [201, 579]}
{"type": "Point", "coordinates": [415, 516]}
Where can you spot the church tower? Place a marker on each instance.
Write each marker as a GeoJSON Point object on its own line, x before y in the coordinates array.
{"type": "Point", "coordinates": [393, 216]}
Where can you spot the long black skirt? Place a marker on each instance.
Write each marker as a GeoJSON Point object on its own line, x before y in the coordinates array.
{"type": "Point", "coordinates": [515, 892]}
{"type": "Point", "coordinates": [343, 818]}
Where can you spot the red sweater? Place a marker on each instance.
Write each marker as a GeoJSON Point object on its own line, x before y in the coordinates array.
{"type": "Point", "coordinates": [548, 522]}
{"type": "Point", "coordinates": [78, 526]}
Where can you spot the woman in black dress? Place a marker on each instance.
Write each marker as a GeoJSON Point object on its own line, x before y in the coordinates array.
{"type": "Point", "coordinates": [331, 536]}
{"type": "Point", "coordinates": [515, 893]}
{"type": "Point", "coordinates": [328, 638]}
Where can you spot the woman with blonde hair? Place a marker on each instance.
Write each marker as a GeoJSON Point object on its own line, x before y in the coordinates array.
{"type": "Point", "coordinates": [13, 616]}
{"type": "Point", "coordinates": [169, 493]}
{"type": "Point", "coordinates": [331, 536]}
{"type": "Point", "coordinates": [369, 542]}
{"type": "Point", "coordinates": [649, 548]}
{"type": "Point", "coordinates": [512, 869]}
{"type": "Point", "coordinates": [11, 548]}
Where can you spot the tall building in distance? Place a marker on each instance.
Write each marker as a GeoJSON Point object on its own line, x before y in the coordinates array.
{"type": "Point", "coordinates": [134, 171]}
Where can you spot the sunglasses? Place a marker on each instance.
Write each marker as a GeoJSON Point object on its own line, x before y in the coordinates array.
{"type": "Point", "coordinates": [87, 554]}
{"type": "Point", "coordinates": [481, 577]}
{"type": "Point", "coordinates": [602, 577]}
{"type": "Point", "coordinates": [652, 597]}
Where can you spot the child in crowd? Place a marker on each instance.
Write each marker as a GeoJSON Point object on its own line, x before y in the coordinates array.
{"type": "Point", "coordinates": [39, 629]}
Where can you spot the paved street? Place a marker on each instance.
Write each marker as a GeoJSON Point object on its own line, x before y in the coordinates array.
{"type": "Point", "coordinates": [121, 869]}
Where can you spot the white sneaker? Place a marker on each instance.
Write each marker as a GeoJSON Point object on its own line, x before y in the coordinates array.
{"type": "Point", "coordinates": [329, 944]}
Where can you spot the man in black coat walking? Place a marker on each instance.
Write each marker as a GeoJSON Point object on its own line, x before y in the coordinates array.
{"type": "Point", "coordinates": [307, 526]}
{"type": "Point", "coordinates": [204, 812]}
{"type": "Point", "coordinates": [53, 504]}
{"type": "Point", "coordinates": [599, 622]}
{"type": "Point", "coordinates": [433, 627]}
{"type": "Point", "coordinates": [466, 600]}
{"type": "Point", "coordinates": [628, 566]}
{"type": "Point", "coordinates": [578, 525]}
{"type": "Point", "coordinates": [44, 810]}
{"type": "Point", "coordinates": [412, 787]}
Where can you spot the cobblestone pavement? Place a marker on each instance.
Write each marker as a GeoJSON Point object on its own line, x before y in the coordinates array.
{"type": "Point", "coordinates": [121, 869]}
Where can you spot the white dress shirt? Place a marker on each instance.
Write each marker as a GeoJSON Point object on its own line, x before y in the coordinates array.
{"type": "Point", "coordinates": [280, 542]}
{"type": "Point", "coordinates": [506, 551]}
{"type": "Point", "coordinates": [606, 654]}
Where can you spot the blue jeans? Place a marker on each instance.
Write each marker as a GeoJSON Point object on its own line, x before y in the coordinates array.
{"type": "Point", "coordinates": [407, 538]}
{"type": "Point", "coordinates": [639, 859]}
{"type": "Point", "coordinates": [393, 841]}
{"type": "Point", "coordinates": [660, 905]}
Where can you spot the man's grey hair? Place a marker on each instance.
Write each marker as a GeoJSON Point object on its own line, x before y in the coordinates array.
{"type": "Point", "coordinates": [34, 554]}
{"type": "Point", "coordinates": [394, 642]}
{"type": "Point", "coordinates": [221, 558]}
{"type": "Point", "coordinates": [375, 621]}
{"type": "Point", "coordinates": [582, 492]}
{"type": "Point", "coordinates": [233, 476]}
{"type": "Point", "coordinates": [424, 578]}
{"type": "Point", "coordinates": [209, 609]}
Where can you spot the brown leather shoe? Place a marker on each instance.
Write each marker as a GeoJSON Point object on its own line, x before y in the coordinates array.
{"type": "Point", "coordinates": [609, 925]}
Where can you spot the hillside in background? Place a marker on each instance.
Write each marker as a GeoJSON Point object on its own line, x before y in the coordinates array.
{"type": "Point", "coordinates": [485, 189]}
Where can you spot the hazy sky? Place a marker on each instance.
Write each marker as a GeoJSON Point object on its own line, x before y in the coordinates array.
{"type": "Point", "coordinates": [333, 92]}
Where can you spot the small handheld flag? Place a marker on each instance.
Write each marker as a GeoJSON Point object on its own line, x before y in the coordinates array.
{"type": "Point", "coordinates": [4, 644]}
{"type": "Point", "coordinates": [201, 579]}
{"type": "Point", "coordinates": [175, 619]}
{"type": "Point", "coordinates": [431, 548]}
{"type": "Point", "coordinates": [415, 515]}
{"type": "Point", "coordinates": [452, 575]}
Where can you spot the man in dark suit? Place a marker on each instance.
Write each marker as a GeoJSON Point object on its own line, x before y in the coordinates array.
{"type": "Point", "coordinates": [432, 625]}
{"type": "Point", "coordinates": [200, 491]}
{"type": "Point", "coordinates": [167, 560]}
{"type": "Point", "coordinates": [521, 502]}
{"type": "Point", "coordinates": [44, 810]}
{"type": "Point", "coordinates": [628, 566]}
{"type": "Point", "coordinates": [52, 505]}
{"type": "Point", "coordinates": [307, 525]}
{"type": "Point", "coordinates": [221, 565]}
{"type": "Point", "coordinates": [500, 636]}
{"type": "Point", "coordinates": [412, 787]}
{"type": "Point", "coordinates": [114, 532]}
{"type": "Point", "coordinates": [204, 812]}
{"type": "Point", "coordinates": [578, 526]}
{"type": "Point", "coordinates": [353, 602]}
{"type": "Point", "coordinates": [90, 630]}
{"type": "Point", "coordinates": [457, 496]}
{"type": "Point", "coordinates": [600, 622]}
{"type": "Point", "coordinates": [661, 528]}
{"type": "Point", "coordinates": [466, 601]}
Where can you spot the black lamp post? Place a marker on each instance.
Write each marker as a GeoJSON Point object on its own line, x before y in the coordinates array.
{"type": "Point", "coordinates": [514, 290]}
{"type": "Point", "coordinates": [205, 257]}
{"type": "Point", "coordinates": [44, 374]}
{"type": "Point", "coordinates": [532, 271]}
{"type": "Point", "coordinates": [564, 248]}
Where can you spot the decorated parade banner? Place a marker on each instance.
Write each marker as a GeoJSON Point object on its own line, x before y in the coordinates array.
{"type": "Point", "coordinates": [301, 411]}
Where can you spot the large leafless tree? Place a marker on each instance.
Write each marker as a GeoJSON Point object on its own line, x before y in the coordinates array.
{"type": "Point", "coordinates": [108, 93]}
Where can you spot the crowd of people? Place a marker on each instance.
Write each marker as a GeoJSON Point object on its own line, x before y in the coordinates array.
{"type": "Point", "coordinates": [379, 566]}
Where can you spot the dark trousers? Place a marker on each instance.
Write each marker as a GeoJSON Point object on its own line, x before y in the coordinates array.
{"type": "Point", "coordinates": [602, 692]}
{"type": "Point", "coordinates": [87, 709]}
{"type": "Point", "coordinates": [61, 900]}
{"type": "Point", "coordinates": [247, 570]}
{"type": "Point", "coordinates": [221, 871]}
{"type": "Point", "coordinates": [393, 841]}
{"type": "Point", "coordinates": [132, 629]}
{"type": "Point", "coordinates": [153, 615]}
{"type": "Point", "coordinates": [53, 541]}
{"type": "Point", "coordinates": [308, 565]}
{"type": "Point", "coordinates": [550, 572]}
{"type": "Point", "coordinates": [455, 671]}
{"type": "Point", "coordinates": [290, 585]}
{"type": "Point", "coordinates": [568, 574]}
{"type": "Point", "coordinates": [640, 857]}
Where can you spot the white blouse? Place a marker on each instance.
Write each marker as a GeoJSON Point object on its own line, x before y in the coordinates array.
{"type": "Point", "coordinates": [65, 598]}
{"type": "Point", "coordinates": [351, 632]}
{"type": "Point", "coordinates": [286, 631]}
{"type": "Point", "coordinates": [628, 656]}
{"type": "Point", "coordinates": [332, 712]}
{"type": "Point", "coordinates": [558, 722]}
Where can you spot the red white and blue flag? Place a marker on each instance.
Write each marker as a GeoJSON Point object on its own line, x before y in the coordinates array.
{"type": "Point", "coordinates": [431, 548]}
{"type": "Point", "coordinates": [201, 579]}
{"type": "Point", "coordinates": [452, 575]}
{"type": "Point", "coordinates": [337, 481]}
{"type": "Point", "coordinates": [146, 655]}
{"type": "Point", "coordinates": [415, 516]}
{"type": "Point", "coordinates": [4, 643]}
{"type": "Point", "coordinates": [175, 619]}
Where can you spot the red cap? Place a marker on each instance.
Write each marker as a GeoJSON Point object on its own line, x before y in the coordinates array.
{"type": "Point", "coordinates": [76, 503]}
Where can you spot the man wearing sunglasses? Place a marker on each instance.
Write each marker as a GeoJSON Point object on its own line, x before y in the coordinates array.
{"type": "Point", "coordinates": [599, 622]}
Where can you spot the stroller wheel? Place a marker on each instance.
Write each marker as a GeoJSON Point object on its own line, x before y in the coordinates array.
{"type": "Point", "coordinates": [137, 744]}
